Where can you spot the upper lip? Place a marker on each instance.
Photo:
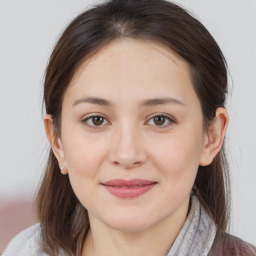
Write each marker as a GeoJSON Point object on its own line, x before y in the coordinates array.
{"type": "Point", "coordinates": [122, 182]}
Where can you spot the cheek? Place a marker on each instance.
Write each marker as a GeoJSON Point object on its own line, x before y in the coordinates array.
{"type": "Point", "coordinates": [83, 153]}
{"type": "Point", "coordinates": [84, 161]}
{"type": "Point", "coordinates": [178, 158]}
{"type": "Point", "coordinates": [84, 158]}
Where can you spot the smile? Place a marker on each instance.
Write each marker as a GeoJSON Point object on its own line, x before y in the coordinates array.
{"type": "Point", "coordinates": [128, 188]}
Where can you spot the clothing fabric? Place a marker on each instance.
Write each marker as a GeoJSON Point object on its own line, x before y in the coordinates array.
{"type": "Point", "coordinates": [26, 243]}
{"type": "Point", "coordinates": [227, 245]}
{"type": "Point", "coordinates": [198, 236]}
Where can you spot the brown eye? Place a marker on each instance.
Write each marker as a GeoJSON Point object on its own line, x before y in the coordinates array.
{"type": "Point", "coordinates": [97, 120]}
{"type": "Point", "coordinates": [159, 120]}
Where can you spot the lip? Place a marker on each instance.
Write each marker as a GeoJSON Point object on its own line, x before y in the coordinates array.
{"type": "Point", "coordinates": [122, 182]}
{"type": "Point", "coordinates": [128, 188]}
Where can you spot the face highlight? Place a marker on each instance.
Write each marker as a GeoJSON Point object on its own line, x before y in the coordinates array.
{"type": "Point", "coordinates": [131, 113]}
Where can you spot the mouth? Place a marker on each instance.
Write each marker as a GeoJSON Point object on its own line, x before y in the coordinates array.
{"type": "Point", "coordinates": [128, 188]}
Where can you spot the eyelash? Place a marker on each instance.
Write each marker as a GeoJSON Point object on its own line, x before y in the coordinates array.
{"type": "Point", "coordinates": [90, 118]}
{"type": "Point", "coordinates": [166, 117]}
{"type": "Point", "coordinates": [87, 119]}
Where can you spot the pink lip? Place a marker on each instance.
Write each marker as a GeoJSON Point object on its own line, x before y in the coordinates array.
{"type": "Point", "coordinates": [128, 188]}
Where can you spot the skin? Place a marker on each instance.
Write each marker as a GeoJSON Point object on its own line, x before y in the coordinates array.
{"type": "Point", "coordinates": [127, 143]}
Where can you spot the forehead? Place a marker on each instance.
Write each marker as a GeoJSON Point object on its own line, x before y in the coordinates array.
{"type": "Point", "coordinates": [132, 68]}
{"type": "Point", "coordinates": [129, 51]}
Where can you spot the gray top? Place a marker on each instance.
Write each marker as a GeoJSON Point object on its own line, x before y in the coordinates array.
{"type": "Point", "coordinates": [197, 234]}
{"type": "Point", "coordinates": [195, 238]}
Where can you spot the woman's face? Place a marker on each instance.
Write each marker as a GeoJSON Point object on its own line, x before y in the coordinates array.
{"type": "Point", "coordinates": [132, 134]}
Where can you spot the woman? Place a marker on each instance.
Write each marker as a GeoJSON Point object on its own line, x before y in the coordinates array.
{"type": "Point", "coordinates": [135, 97]}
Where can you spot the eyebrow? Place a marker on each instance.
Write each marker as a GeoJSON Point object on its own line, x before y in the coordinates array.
{"type": "Point", "coordinates": [161, 101]}
{"type": "Point", "coordinates": [93, 100]}
{"type": "Point", "coordinates": [148, 102]}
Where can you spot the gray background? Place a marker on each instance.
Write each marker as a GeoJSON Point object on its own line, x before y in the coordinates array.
{"type": "Point", "coordinates": [28, 32]}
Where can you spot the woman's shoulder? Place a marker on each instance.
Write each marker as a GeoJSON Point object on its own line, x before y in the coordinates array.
{"type": "Point", "coordinates": [229, 245]}
{"type": "Point", "coordinates": [25, 243]}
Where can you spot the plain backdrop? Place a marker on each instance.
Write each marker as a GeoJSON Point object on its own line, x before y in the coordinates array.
{"type": "Point", "coordinates": [28, 32]}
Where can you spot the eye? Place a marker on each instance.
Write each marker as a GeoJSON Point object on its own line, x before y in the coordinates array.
{"type": "Point", "coordinates": [161, 120]}
{"type": "Point", "coordinates": [95, 121]}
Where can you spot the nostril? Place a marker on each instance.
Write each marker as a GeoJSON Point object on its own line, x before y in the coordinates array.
{"type": "Point", "coordinates": [127, 159]}
{"type": "Point", "coordinates": [127, 165]}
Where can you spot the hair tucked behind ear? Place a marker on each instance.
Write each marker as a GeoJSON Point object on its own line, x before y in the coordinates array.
{"type": "Point", "coordinates": [213, 190]}
{"type": "Point", "coordinates": [64, 221]}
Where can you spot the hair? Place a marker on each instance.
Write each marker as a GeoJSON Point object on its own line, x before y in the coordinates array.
{"type": "Point", "coordinates": [63, 219]}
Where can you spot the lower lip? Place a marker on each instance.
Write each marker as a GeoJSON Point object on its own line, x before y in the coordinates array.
{"type": "Point", "coordinates": [129, 192]}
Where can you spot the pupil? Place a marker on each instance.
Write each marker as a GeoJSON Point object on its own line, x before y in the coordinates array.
{"type": "Point", "coordinates": [159, 120]}
{"type": "Point", "coordinates": [97, 120]}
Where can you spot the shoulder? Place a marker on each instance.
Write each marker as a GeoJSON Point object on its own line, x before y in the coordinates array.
{"type": "Point", "coordinates": [228, 245]}
{"type": "Point", "coordinates": [25, 243]}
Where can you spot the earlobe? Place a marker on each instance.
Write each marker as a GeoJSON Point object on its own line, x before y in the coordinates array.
{"type": "Point", "coordinates": [214, 137]}
{"type": "Point", "coordinates": [56, 143]}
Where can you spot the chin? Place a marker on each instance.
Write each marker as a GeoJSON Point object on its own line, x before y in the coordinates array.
{"type": "Point", "coordinates": [128, 222]}
{"type": "Point", "coordinates": [130, 226]}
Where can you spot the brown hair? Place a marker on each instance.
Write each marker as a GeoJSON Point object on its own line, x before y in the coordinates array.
{"type": "Point", "coordinates": [64, 221]}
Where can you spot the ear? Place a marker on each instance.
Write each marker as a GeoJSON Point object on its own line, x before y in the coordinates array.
{"type": "Point", "coordinates": [55, 142]}
{"type": "Point", "coordinates": [214, 137]}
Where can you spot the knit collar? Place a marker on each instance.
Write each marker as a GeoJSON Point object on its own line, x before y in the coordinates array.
{"type": "Point", "coordinates": [197, 234]}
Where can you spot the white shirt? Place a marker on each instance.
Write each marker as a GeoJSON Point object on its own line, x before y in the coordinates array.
{"type": "Point", "coordinates": [25, 243]}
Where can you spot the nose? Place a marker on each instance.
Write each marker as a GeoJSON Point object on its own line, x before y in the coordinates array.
{"type": "Point", "coordinates": [127, 148]}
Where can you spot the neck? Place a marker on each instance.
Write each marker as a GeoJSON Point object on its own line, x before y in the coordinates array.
{"type": "Point", "coordinates": [155, 240]}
